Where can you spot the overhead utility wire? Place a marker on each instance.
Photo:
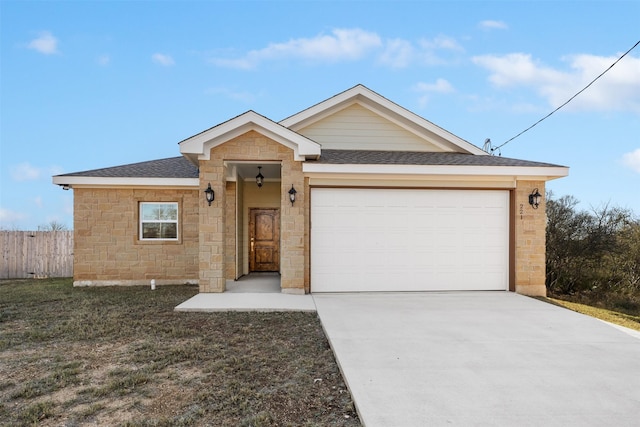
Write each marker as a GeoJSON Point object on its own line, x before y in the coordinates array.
{"type": "Point", "coordinates": [568, 101]}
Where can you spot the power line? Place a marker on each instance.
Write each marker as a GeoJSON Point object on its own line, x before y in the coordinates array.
{"type": "Point", "coordinates": [568, 101]}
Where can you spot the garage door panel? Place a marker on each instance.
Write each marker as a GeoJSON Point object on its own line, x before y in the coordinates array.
{"type": "Point", "coordinates": [414, 240]}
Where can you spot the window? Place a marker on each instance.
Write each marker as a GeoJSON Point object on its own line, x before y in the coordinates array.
{"type": "Point", "coordinates": [158, 221]}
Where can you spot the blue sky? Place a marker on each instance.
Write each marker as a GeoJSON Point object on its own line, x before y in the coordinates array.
{"type": "Point", "coordinates": [94, 84]}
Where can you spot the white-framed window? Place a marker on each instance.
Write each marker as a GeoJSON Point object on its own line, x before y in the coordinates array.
{"type": "Point", "coordinates": [158, 221]}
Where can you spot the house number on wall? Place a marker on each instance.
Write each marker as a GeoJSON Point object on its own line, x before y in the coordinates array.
{"type": "Point", "coordinates": [521, 210]}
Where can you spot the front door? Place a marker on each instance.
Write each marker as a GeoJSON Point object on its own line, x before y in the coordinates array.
{"type": "Point", "coordinates": [264, 240]}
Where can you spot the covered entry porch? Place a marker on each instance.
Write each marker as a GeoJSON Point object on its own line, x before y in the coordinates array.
{"type": "Point", "coordinates": [250, 228]}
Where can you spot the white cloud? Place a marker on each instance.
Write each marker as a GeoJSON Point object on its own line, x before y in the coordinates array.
{"type": "Point", "coordinates": [426, 89]}
{"type": "Point", "coordinates": [38, 201]}
{"type": "Point", "coordinates": [25, 172]}
{"type": "Point", "coordinates": [632, 160]}
{"type": "Point", "coordinates": [398, 53]}
{"type": "Point", "coordinates": [350, 44]}
{"type": "Point", "coordinates": [103, 60]}
{"type": "Point", "coordinates": [493, 25]}
{"type": "Point", "coordinates": [518, 69]}
{"type": "Point", "coordinates": [440, 86]}
{"type": "Point", "coordinates": [439, 50]}
{"type": "Point", "coordinates": [8, 218]}
{"type": "Point", "coordinates": [46, 43]}
{"type": "Point", "coordinates": [443, 43]}
{"type": "Point", "coordinates": [618, 89]}
{"type": "Point", "coordinates": [340, 45]}
{"type": "Point", "coordinates": [162, 59]}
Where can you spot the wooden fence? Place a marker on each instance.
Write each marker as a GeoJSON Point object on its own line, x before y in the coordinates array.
{"type": "Point", "coordinates": [36, 254]}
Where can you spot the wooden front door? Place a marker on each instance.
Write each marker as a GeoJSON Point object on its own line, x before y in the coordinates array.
{"type": "Point", "coordinates": [264, 240]}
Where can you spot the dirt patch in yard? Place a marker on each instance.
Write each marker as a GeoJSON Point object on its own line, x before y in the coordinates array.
{"type": "Point", "coordinates": [122, 356]}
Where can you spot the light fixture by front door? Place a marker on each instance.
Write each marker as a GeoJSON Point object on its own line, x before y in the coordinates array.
{"type": "Point", "coordinates": [259, 177]}
{"type": "Point", "coordinates": [535, 198]}
{"type": "Point", "coordinates": [292, 195]}
{"type": "Point", "coordinates": [208, 194]}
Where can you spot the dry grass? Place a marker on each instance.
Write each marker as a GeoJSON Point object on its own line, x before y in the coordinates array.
{"type": "Point", "coordinates": [122, 356]}
{"type": "Point", "coordinates": [622, 319]}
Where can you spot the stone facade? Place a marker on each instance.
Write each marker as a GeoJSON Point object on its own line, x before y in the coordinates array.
{"type": "Point", "coordinates": [107, 250]}
{"type": "Point", "coordinates": [529, 234]}
{"type": "Point", "coordinates": [215, 263]}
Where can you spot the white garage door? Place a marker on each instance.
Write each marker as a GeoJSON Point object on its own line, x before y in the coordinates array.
{"type": "Point", "coordinates": [409, 240]}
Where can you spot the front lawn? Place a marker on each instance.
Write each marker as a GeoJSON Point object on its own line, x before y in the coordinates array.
{"type": "Point", "coordinates": [122, 356]}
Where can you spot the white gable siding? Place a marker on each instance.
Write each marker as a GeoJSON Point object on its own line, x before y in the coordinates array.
{"type": "Point", "coordinates": [357, 128]}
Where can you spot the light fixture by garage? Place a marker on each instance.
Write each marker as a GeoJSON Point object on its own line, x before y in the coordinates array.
{"type": "Point", "coordinates": [535, 198]}
{"type": "Point", "coordinates": [259, 177]}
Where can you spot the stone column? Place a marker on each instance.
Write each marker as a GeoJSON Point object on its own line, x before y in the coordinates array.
{"type": "Point", "coordinates": [530, 240]}
{"type": "Point", "coordinates": [212, 227]}
{"type": "Point", "coordinates": [292, 229]}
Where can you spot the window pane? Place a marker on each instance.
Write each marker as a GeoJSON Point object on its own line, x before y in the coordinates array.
{"type": "Point", "coordinates": [168, 211]}
{"type": "Point", "coordinates": [159, 212]}
{"type": "Point", "coordinates": [169, 231]}
{"type": "Point", "coordinates": [149, 212]}
{"type": "Point", "coordinates": [151, 230]}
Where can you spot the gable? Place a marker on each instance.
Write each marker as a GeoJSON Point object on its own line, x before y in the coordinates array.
{"type": "Point", "coordinates": [358, 128]}
{"type": "Point", "coordinates": [359, 105]}
{"type": "Point", "coordinates": [198, 147]}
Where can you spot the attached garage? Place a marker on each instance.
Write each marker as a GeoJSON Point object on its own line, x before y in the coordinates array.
{"type": "Point", "coordinates": [365, 239]}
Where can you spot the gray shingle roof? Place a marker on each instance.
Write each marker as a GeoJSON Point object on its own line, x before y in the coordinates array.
{"type": "Point", "coordinates": [371, 157]}
{"type": "Point", "coordinates": [180, 167]}
{"type": "Point", "coordinates": [174, 167]}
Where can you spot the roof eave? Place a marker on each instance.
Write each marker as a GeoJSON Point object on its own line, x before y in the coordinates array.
{"type": "Point", "coordinates": [545, 173]}
{"type": "Point", "coordinates": [113, 182]}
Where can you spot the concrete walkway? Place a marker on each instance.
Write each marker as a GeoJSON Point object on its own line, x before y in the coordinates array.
{"type": "Point", "coordinates": [242, 301]}
{"type": "Point", "coordinates": [254, 292]}
{"type": "Point", "coordinates": [480, 359]}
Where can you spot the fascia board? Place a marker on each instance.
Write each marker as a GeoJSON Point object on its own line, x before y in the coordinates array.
{"type": "Point", "coordinates": [93, 181]}
{"type": "Point", "coordinates": [517, 171]}
{"type": "Point", "coordinates": [201, 144]}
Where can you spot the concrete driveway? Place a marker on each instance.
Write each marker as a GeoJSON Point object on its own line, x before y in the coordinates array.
{"type": "Point", "coordinates": [481, 359]}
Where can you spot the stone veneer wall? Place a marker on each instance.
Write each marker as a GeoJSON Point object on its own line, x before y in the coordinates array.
{"type": "Point", "coordinates": [251, 146]}
{"type": "Point", "coordinates": [530, 240]}
{"type": "Point", "coordinates": [107, 250]}
{"type": "Point", "coordinates": [230, 241]}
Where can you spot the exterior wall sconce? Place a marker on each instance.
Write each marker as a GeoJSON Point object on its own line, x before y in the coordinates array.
{"type": "Point", "coordinates": [292, 195]}
{"type": "Point", "coordinates": [259, 177]}
{"type": "Point", "coordinates": [535, 198]}
{"type": "Point", "coordinates": [208, 194]}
